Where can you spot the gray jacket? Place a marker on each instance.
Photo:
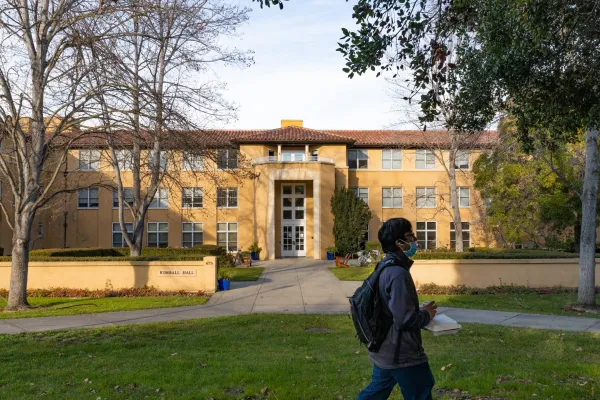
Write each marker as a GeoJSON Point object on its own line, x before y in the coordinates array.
{"type": "Point", "coordinates": [397, 289]}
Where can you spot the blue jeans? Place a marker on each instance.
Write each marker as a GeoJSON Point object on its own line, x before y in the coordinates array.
{"type": "Point", "coordinates": [415, 383]}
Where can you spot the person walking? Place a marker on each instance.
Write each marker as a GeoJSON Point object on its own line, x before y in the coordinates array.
{"type": "Point", "coordinates": [401, 358]}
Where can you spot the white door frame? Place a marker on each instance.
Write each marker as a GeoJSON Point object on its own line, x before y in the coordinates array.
{"type": "Point", "coordinates": [293, 230]}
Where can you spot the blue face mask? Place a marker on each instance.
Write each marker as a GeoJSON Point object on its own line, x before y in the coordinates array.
{"type": "Point", "coordinates": [412, 251]}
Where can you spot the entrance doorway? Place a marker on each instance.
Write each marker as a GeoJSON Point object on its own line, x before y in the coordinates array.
{"type": "Point", "coordinates": [293, 220]}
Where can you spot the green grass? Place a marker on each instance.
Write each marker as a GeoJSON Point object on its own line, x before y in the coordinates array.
{"type": "Point", "coordinates": [197, 360]}
{"type": "Point", "coordinates": [53, 306]}
{"type": "Point", "coordinates": [244, 274]}
{"type": "Point", "coordinates": [525, 302]}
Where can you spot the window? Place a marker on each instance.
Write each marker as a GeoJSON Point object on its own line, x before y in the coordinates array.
{"type": "Point", "coordinates": [358, 159]}
{"type": "Point", "coordinates": [425, 159]}
{"type": "Point", "coordinates": [118, 240]}
{"type": "Point", "coordinates": [227, 159]}
{"type": "Point", "coordinates": [192, 197]}
{"type": "Point", "coordinates": [362, 193]}
{"type": "Point", "coordinates": [391, 159]}
{"type": "Point", "coordinates": [392, 197]}
{"type": "Point", "coordinates": [426, 197]}
{"type": "Point", "coordinates": [464, 198]}
{"type": "Point", "coordinates": [89, 160]}
{"type": "Point", "coordinates": [160, 199]}
{"type": "Point", "coordinates": [40, 229]}
{"type": "Point", "coordinates": [227, 197]}
{"type": "Point", "coordinates": [192, 162]}
{"type": "Point", "coordinates": [127, 196]}
{"type": "Point", "coordinates": [124, 160]}
{"type": "Point", "coordinates": [87, 198]}
{"type": "Point", "coordinates": [227, 235]}
{"type": "Point", "coordinates": [192, 234]}
{"type": "Point", "coordinates": [314, 155]}
{"type": "Point", "coordinates": [272, 155]}
{"type": "Point", "coordinates": [162, 159]}
{"type": "Point", "coordinates": [466, 235]}
{"type": "Point", "coordinates": [158, 234]}
{"type": "Point", "coordinates": [427, 235]}
{"type": "Point", "coordinates": [462, 160]}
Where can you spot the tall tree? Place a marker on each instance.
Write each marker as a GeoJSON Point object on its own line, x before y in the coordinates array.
{"type": "Point", "coordinates": [44, 99]}
{"type": "Point", "coordinates": [156, 94]}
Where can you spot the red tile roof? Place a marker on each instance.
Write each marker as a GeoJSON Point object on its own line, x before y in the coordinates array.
{"type": "Point", "coordinates": [295, 134]}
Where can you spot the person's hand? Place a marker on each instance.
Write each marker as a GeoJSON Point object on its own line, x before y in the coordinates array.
{"type": "Point", "coordinates": [431, 308]}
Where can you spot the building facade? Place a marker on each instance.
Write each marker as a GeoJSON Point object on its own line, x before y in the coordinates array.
{"type": "Point", "coordinates": [282, 198]}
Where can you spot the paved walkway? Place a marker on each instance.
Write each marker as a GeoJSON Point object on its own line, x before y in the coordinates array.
{"type": "Point", "coordinates": [286, 286]}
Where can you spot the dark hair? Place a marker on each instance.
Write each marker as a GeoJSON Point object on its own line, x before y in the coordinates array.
{"type": "Point", "coordinates": [391, 231]}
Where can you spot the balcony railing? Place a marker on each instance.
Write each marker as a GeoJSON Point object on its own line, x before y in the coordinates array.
{"type": "Point", "coordinates": [292, 158]}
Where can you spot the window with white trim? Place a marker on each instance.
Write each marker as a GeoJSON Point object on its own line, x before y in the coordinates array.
{"type": "Point", "coordinates": [192, 162]}
{"type": "Point", "coordinates": [192, 197]}
{"type": "Point", "coordinates": [118, 239]}
{"type": "Point", "coordinates": [427, 234]}
{"type": "Point", "coordinates": [227, 197]}
{"type": "Point", "coordinates": [426, 197]}
{"type": "Point", "coordinates": [462, 159]}
{"type": "Point", "coordinates": [124, 160]}
{"type": "Point", "coordinates": [466, 235]}
{"type": "Point", "coordinates": [391, 159]}
{"type": "Point", "coordinates": [425, 159]}
{"type": "Point", "coordinates": [158, 234]}
{"type": "Point", "coordinates": [227, 158]}
{"type": "Point", "coordinates": [227, 235]}
{"type": "Point", "coordinates": [358, 159]}
{"type": "Point", "coordinates": [362, 193]}
{"type": "Point", "coordinates": [127, 197]}
{"type": "Point", "coordinates": [160, 199]}
{"type": "Point", "coordinates": [192, 234]}
{"type": "Point", "coordinates": [89, 160]}
{"type": "Point", "coordinates": [464, 197]}
{"type": "Point", "coordinates": [162, 159]}
{"type": "Point", "coordinates": [391, 197]}
{"type": "Point", "coordinates": [87, 198]}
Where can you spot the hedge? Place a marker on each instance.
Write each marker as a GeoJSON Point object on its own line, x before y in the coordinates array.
{"type": "Point", "coordinates": [146, 291]}
{"type": "Point", "coordinates": [207, 250]}
{"type": "Point", "coordinates": [433, 289]}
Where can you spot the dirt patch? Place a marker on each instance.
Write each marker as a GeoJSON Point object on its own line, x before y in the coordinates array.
{"type": "Point", "coordinates": [457, 394]}
{"type": "Point", "coordinates": [582, 309]}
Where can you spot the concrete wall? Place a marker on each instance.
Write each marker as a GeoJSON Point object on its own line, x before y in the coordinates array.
{"type": "Point", "coordinates": [485, 273]}
{"type": "Point", "coordinates": [120, 274]}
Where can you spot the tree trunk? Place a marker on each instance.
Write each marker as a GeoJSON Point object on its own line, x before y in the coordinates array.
{"type": "Point", "coordinates": [458, 235]}
{"type": "Point", "coordinates": [586, 294]}
{"type": "Point", "coordinates": [17, 296]}
{"type": "Point", "coordinates": [135, 250]}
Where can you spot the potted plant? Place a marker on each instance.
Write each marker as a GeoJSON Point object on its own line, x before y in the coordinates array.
{"type": "Point", "coordinates": [331, 253]}
{"type": "Point", "coordinates": [223, 279]}
{"type": "Point", "coordinates": [255, 251]}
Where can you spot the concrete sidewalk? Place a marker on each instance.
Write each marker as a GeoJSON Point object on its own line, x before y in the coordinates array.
{"type": "Point", "coordinates": [286, 286]}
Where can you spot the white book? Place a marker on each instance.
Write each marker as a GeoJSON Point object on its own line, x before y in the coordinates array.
{"type": "Point", "coordinates": [442, 324]}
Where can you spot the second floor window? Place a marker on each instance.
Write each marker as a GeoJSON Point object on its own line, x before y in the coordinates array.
{"type": "Point", "coordinates": [161, 198]}
{"type": "Point", "coordinates": [227, 197]}
{"type": "Point", "coordinates": [426, 197]}
{"type": "Point", "coordinates": [425, 159]}
{"type": "Point", "coordinates": [227, 159]}
{"type": "Point", "coordinates": [464, 197]}
{"type": "Point", "coordinates": [392, 197]}
{"type": "Point", "coordinates": [192, 197]}
{"type": "Point", "coordinates": [89, 160]}
{"type": "Point", "coordinates": [391, 159]}
{"type": "Point", "coordinates": [192, 162]}
{"type": "Point", "coordinates": [358, 159]}
{"type": "Point", "coordinates": [87, 198]}
{"type": "Point", "coordinates": [362, 193]}
{"type": "Point", "coordinates": [127, 197]}
{"type": "Point", "coordinates": [124, 160]}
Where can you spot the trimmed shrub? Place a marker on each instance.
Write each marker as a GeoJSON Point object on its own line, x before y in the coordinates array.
{"type": "Point", "coordinates": [433, 289]}
{"type": "Point", "coordinates": [350, 217]}
{"type": "Point", "coordinates": [146, 291]}
{"type": "Point", "coordinates": [207, 250]}
{"type": "Point", "coordinates": [483, 255]}
{"type": "Point", "coordinates": [225, 261]}
{"type": "Point", "coordinates": [369, 246]}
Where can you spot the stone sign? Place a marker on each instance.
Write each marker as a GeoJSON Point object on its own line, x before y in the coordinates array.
{"type": "Point", "coordinates": [177, 272]}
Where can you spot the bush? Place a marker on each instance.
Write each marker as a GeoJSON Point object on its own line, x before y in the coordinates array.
{"type": "Point", "coordinates": [224, 274]}
{"type": "Point", "coordinates": [146, 291]}
{"type": "Point", "coordinates": [225, 261]}
{"type": "Point", "coordinates": [369, 246]}
{"type": "Point", "coordinates": [350, 217]}
{"type": "Point", "coordinates": [433, 289]}
{"type": "Point", "coordinates": [254, 248]}
{"type": "Point", "coordinates": [501, 254]}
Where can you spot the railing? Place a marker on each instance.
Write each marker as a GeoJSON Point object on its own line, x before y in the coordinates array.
{"type": "Point", "coordinates": [292, 158]}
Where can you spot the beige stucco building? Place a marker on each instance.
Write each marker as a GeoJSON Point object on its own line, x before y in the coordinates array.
{"type": "Point", "coordinates": [283, 199]}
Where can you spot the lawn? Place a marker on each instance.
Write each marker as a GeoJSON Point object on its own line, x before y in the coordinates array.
{"type": "Point", "coordinates": [195, 360]}
{"type": "Point", "coordinates": [525, 303]}
{"type": "Point", "coordinates": [52, 306]}
{"type": "Point", "coordinates": [244, 274]}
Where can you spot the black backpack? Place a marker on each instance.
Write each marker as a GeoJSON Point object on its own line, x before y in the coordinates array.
{"type": "Point", "coordinates": [371, 318]}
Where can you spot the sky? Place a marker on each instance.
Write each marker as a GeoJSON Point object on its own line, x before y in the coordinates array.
{"type": "Point", "coordinates": [298, 72]}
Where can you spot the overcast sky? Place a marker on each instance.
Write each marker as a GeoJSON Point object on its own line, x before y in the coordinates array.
{"type": "Point", "coordinates": [298, 74]}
